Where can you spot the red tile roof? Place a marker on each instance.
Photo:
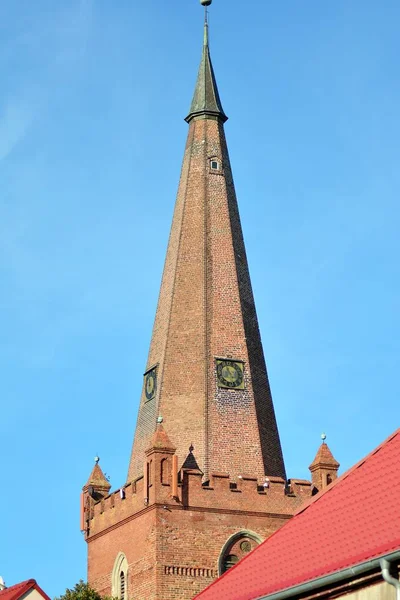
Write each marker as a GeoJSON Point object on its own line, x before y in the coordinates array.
{"type": "Point", "coordinates": [355, 519]}
{"type": "Point", "coordinates": [19, 589]}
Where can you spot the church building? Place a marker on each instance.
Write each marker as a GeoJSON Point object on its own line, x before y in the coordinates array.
{"type": "Point", "coordinates": [206, 482]}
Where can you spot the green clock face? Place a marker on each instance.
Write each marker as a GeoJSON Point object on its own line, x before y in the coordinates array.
{"type": "Point", "coordinates": [230, 374]}
{"type": "Point", "coordinates": [150, 384]}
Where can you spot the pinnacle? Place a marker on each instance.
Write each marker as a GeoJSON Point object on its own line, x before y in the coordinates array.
{"type": "Point", "coordinates": [97, 478]}
{"type": "Point", "coordinates": [190, 461]}
{"type": "Point", "coordinates": [160, 440]}
{"type": "Point", "coordinates": [324, 456]}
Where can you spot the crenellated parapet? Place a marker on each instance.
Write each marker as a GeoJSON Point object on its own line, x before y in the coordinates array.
{"type": "Point", "coordinates": [169, 488]}
{"type": "Point", "coordinates": [174, 524]}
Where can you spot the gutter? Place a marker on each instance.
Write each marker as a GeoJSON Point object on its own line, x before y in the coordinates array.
{"type": "Point", "coordinates": [385, 570]}
{"type": "Point", "coordinates": [340, 576]}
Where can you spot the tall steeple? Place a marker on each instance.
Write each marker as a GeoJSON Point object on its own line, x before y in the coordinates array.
{"type": "Point", "coordinates": [206, 479]}
{"type": "Point", "coordinates": [206, 373]}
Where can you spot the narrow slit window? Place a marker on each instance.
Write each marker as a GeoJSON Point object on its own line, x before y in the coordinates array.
{"type": "Point", "coordinates": [215, 165]}
{"type": "Point", "coordinates": [122, 585]}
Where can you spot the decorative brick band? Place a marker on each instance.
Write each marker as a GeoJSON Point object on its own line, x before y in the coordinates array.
{"type": "Point", "coordinates": [190, 571]}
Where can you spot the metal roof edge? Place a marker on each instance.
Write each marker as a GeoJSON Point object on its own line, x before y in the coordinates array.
{"type": "Point", "coordinates": [336, 577]}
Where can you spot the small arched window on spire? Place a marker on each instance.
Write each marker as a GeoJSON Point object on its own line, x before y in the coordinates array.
{"type": "Point", "coordinates": [215, 164]}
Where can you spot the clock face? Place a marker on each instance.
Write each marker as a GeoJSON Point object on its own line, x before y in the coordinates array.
{"type": "Point", "coordinates": [230, 374]}
{"type": "Point", "coordinates": [150, 384]}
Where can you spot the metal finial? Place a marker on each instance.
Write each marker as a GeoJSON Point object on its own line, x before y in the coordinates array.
{"type": "Point", "coordinates": [160, 419]}
{"type": "Point", "coordinates": [323, 437]}
{"type": "Point", "coordinates": [97, 459]}
{"type": "Point", "coordinates": [191, 448]}
{"type": "Point", "coordinates": [206, 4]}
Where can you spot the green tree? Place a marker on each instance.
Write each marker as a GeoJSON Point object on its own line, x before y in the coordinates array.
{"type": "Point", "coordinates": [82, 591]}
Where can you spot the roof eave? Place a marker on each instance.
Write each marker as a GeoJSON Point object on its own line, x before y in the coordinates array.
{"type": "Point", "coordinates": [333, 578]}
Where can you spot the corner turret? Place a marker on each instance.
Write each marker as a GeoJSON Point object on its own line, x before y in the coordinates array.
{"type": "Point", "coordinates": [324, 467]}
{"type": "Point", "coordinates": [161, 466]}
{"type": "Point", "coordinates": [97, 486]}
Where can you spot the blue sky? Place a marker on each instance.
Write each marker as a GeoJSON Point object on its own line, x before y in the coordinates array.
{"type": "Point", "coordinates": [93, 96]}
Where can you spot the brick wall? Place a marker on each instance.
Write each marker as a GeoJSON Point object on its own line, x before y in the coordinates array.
{"type": "Point", "coordinates": [173, 544]}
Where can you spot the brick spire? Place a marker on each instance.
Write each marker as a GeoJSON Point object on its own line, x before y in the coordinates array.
{"type": "Point", "coordinates": [206, 372]}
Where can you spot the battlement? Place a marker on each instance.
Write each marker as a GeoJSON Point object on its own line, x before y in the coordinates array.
{"type": "Point", "coordinates": [185, 489]}
{"type": "Point", "coordinates": [119, 505]}
{"type": "Point", "coordinates": [244, 493]}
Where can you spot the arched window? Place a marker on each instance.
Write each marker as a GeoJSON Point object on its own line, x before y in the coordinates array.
{"type": "Point", "coordinates": [236, 547]}
{"type": "Point", "coordinates": [119, 577]}
{"type": "Point", "coordinates": [328, 479]}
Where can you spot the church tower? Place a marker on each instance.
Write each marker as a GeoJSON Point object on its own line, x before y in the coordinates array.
{"type": "Point", "coordinates": [206, 480]}
{"type": "Point", "coordinates": [206, 372]}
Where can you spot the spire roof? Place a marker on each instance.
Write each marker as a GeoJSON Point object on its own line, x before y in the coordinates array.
{"type": "Point", "coordinates": [324, 456]}
{"type": "Point", "coordinates": [97, 478]}
{"type": "Point", "coordinates": [161, 441]}
{"type": "Point", "coordinates": [206, 101]}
